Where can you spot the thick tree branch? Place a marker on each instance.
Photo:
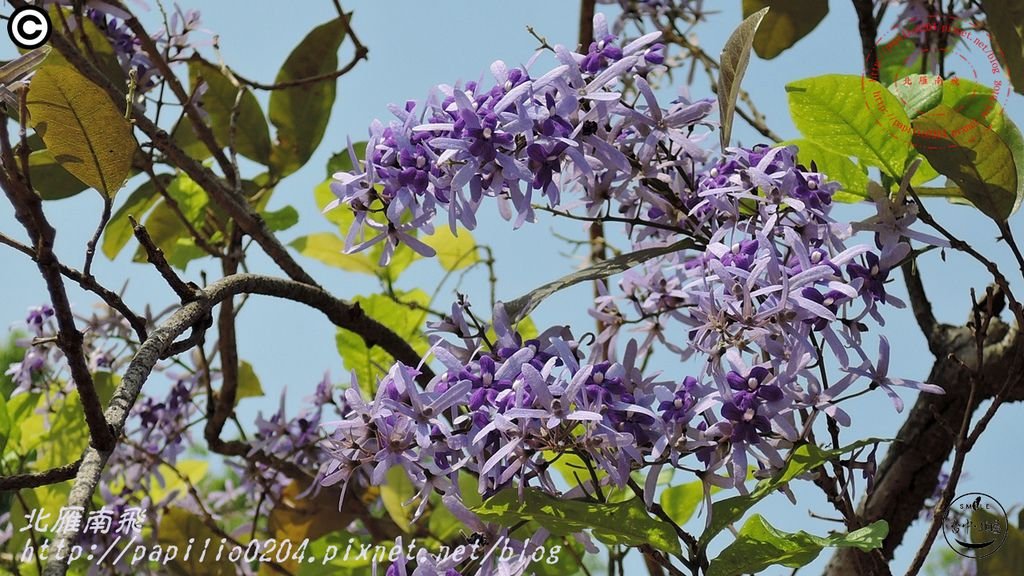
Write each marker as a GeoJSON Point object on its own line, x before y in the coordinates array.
{"type": "Point", "coordinates": [36, 479]}
{"type": "Point", "coordinates": [341, 313]}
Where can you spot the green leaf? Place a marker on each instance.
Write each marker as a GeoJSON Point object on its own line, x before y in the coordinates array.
{"type": "Point", "coordinates": [734, 59]}
{"type": "Point", "coordinates": [837, 167]}
{"type": "Point", "coordinates": [119, 229]}
{"type": "Point", "coordinates": [328, 248]}
{"type": "Point", "coordinates": [248, 382]}
{"type": "Point", "coordinates": [252, 135]}
{"type": "Point", "coordinates": [301, 113]}
{"type": "Point", "coordinates": [397, 490]}
{"type": "Point", "coordinates": [786, 23]}
{"type": "Point", "coordinates": [520, 307]}
{"type": "Point", "coordinates": [896, 58]}
{"type": "Point", "coordinates": [342, 162]}
{"type": "Point", "coordinates": [453, 252]}
{"type": "Point", "coordinates": [86, 133]}
{"type": "Point", "coordinates": [1007, 560]}
{"type": "Point", "coordinates": [853, 116]}
{"type": "Point", "coordinates": [803, 459]}
{"type": "Point", "coordinates": [971, 155]}
{"type": "Point", "coordinates": [681, 502]}
{"type": "Point", "coordinates": [918, 93]}
{"type": "Point", "coordinates": [49, 179]}
{"type": "Point", "coordinates": [282, 219]}
{"type": "Point", "coordinates": [168, 233]}
{"type": "Point", "coordinates": [625, 523]}
{"type": "Point", "coordinates": [1005, 20]}
{"type": "Point", "coordinates": [371, 363]}
{"type": "Point", "coordinates": [365, 262]}
{"type": "Point", "coordinates": [760, 545]}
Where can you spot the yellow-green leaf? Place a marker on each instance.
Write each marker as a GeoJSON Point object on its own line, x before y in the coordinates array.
{"type": "Point", "coordinates": [248, 383]}
{"type": "Point", "coordinates": [328, 248]}
{"type": "Point", "coordinates": [83, 129]}
{"type": "Point", "coordinates": [853, 116]}
{"type": "Point", "coordinates": [453, 252]}
{"type": "Point", "coordinates": [119, 229]}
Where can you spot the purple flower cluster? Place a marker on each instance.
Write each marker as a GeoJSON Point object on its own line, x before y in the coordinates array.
{"type": "Point", "coordinates": [772, 295]}
{"type": "Point", "coordinates": [522, 138]}
{"type": "Point", "coordinates": [773, 302]}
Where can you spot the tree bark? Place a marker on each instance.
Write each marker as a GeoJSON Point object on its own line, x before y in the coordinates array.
{"type": "Point", "coordinates": [908, 475]}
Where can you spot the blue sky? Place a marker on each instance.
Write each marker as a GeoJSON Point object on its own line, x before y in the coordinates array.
{"type": "Point", "coordinates": [415, 45]}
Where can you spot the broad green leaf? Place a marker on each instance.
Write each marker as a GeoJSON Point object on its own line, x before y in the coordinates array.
{"type": "Point", "coordinates": [971, 155]}
{"type": "Point", "coordinates": [281, 219]}
{"type": "Point", "coordinates": [184, 135]}
{"type": "Point", "coordinates": [760, 545]}
{"type": "Point", "coordinates": [1005, 21]}
{"type": "Point", "coordinates": [5, 424]}
{"type": "Point", "coordinates": [119, 229]}
{"type": "Point", "coordinates": [397, 490]}
{"type": "Point", "coordinates": [1008, 559]}
{"type": "Point", "coordinates": [49, 179]}
{"type": "Point", "coordinates": [977, 102]}
{"type": "Point", "coordinates": [897, 58]}
{"type": "Point", "coordinates": [802, 459]}
{"type": "Point", "coordinates": [734, 59]}
{"type": "Point", "coordinates": [681, 502]}
{"type": "Point", "coordinates": [370, 364]}
{"type": "Point", "coordinates": [786, 23]}
{"type": "Point", "coordinates": [168, 233]}
{"type": "Point", "coordinates": [86, 133]}
{"type": "Point", "coordinates": [190, 197]}
{"type": "Point", "coordinates": [252, 136]}
{"type": "Point", "coordinates": [66, 434]}
{"type": "Point", "coordinates": [853, 116]}
{"type": "Point", "coordinates": [837, 167]}
{"type": "Point", "coordinates": [570, 466]}
{"type": "Point", "coordinates": [453, 252]}
{"type": "Point", "coordinates": [625, 523]}
{"type": "Point", "coordinates": [342, 162]}
{"type": "Point", "coordinates": [918, 93]}
{"type": "Point", "coordinates": [522, 306]}
{"type": "Point", "coordinates": [301, 113]}
{"type": "Point", "coordinates": [329, 249]}
{"type": "Point", "coordinates": [248, 382]}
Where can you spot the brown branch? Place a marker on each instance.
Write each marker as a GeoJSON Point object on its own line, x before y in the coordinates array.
{"type": "Point", "coordinates": [868, 36]}
{"type": "Point", "coordinates": [28, 210]}
{"type": "Point", "coordinates": [36, 479]}
{"type": "Point", "coordinates": [237, 208]}
{"type": "Point", "coordinates": [89, 284]}
{"type": "Point", "coordinates": [340, 312]}
{"type": "Point", "coordinates": [155, 256]}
